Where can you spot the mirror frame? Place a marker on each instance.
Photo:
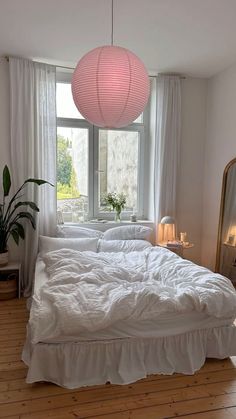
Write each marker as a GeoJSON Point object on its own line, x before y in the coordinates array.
{"type": "Point", "coordinates": [222, 210]}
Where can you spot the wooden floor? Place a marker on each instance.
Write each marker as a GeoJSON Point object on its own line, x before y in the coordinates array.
{"type": "Point", "coordinates": [209, 394]}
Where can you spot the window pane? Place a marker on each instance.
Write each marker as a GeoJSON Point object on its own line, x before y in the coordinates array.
{"type": "Point", "coordinates": [72, 174]}
{"type": "Point", "coordinates": [118, 165]}
{"type": "Point", "coordinates": [65, 103]}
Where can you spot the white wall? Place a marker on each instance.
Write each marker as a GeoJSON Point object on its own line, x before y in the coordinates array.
{"type": "Point", "coordinates": [189, 208]}
{"type": "Point", "coordinates": [220, 148]}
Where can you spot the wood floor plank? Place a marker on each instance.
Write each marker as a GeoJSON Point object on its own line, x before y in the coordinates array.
{"type": "Point", "coordinates": [13, 322]}
{"type": "Point", "coordinates": [6, 350]}
{"type": "Point", "coordinates": [12, 329]}
{"type": "Point", "coordinates": [228, 413]}
{"type": "Point", "coordinates": [222, 378]}
{"type": "Point", "coordinates": [20, 384]}
{"type": "Point", "coordinates": [12, 343]}
{"type": "Point", "coordinates": [9, 357]}
{"type": "Point", "coordinates": [10, 317]}
{"type": "Point", "coordinates": [13, 417]}
{"type": "Point", "coordinates": [17, 304]}
{"type": "Point", "coordinates": [169, 411]}
{"type": "Point", "coordinates": [136, 388]}
{"type": "Point", "coordinates": [14, 302]}
{"type": "Point", "coordinates": [9, 337]}
{"type": "Point", "coordinates": [13, 374]}
{"type": "Point", "coordinates": [135, 408]}
{"type": "Point", "coordinates": [13, 310]}
{"type": "Point", "coordinates": [90, 405]}
{"type": "Point", "coordinates": [12, 366]}
{"type": "Point", "coordinates": [215, 414]}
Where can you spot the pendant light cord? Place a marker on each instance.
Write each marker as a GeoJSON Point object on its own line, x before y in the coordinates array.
{"type": "Point", "coordinates": [112, 17]}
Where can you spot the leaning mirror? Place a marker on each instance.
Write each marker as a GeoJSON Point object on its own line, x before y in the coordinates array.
{"type": "Point", "coordinates": [226, 246]}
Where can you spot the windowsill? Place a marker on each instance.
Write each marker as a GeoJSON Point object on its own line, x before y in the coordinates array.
{"type": "Point", "coordinates": [110, 222]}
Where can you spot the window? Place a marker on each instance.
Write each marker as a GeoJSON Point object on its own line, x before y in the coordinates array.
{"type": "Point", "coordinates": [65, 103]}
{"type": "Point", "coordinates": [93, 161]}
{"type": "Point", "coordinates": [72, 172]}
{"type": "Point", "coordinates": [118, 157]}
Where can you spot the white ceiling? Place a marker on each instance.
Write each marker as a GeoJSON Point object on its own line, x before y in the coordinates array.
{"type": "Point", "coordinates": [193, 37]}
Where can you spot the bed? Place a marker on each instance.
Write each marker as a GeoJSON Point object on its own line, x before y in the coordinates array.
{"type": "Point", "coordinates": [118, 316]}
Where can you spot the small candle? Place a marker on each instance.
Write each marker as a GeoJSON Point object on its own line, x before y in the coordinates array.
{"type": "Point", "coordinates": [183, 237]}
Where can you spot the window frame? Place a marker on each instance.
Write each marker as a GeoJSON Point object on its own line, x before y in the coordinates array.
{"type": "Point", "coordinates": [135, 127]}
{"type": "Point", "coordinates": [82, 123]}
{"type": "Point", "coordinates": [93, 149]}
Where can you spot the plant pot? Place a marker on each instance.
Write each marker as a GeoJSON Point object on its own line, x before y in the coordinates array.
{"type": "Point", "coordinates": [4, 258]}
{"type": "Point", "coordinates": [8, 287]}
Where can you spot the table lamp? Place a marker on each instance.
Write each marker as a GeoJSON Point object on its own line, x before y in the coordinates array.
{"type": "Point", "coordinates": [168, 229]}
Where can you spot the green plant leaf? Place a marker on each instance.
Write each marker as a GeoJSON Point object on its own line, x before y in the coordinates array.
{"type": "Point", "coordinates": [31, 204]}
{"type": "Point", "coordinates": [16, 195]}
{"type": "Point", "coordinates": [15, 236]}
{"type": "Point", "coordinates": [38, 182]}
{"type": "Point", "coordinates": [6, 180]}
{"type": "Point", "coordinates": [3, 238]}
{"type": "Point", "coordinates": [20, 230]}
{"type": "Point", "coordinates": [11, 214]}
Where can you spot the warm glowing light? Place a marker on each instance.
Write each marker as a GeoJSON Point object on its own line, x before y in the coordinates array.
{"type": "Point", "coordinates": [166, 229]}
{"type": "Point", "coordinates": [110, 86]}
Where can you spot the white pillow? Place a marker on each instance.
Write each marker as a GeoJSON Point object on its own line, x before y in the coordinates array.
{"type": "Point", "coordinates": [125, 246]}
{"type": "Point", "coordinates": [78, 232]}
{"type": "Point", "coordinates": [48, 244]}
{"type": "Point", "coordinates": [129, 232]}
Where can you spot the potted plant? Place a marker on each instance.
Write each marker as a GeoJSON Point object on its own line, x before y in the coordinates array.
{"type": "Point", "coordinates": [13, 213]}
{"type": "Point", "coordinates": [115, 202]}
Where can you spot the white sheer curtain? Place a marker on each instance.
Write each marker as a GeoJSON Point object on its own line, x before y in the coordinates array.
{"type": "Point", "coordinates": [167, 145]}
{"type": "Point", "coordinates": [33, 148]}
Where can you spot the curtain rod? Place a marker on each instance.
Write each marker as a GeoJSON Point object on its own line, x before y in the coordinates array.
{"type": "Point", "coordinates": [73, 68]}
{"type": "Point", "coordinates": [40, 62]}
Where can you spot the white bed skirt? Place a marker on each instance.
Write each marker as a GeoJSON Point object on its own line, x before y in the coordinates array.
{"type": "Point", "coordinates": [123, 361]}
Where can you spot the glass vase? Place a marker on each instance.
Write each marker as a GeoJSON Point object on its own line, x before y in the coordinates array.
{"type": "Point", "coordinates": [117, 216]}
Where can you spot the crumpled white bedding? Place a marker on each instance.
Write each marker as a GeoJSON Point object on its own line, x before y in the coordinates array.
{"type": "Point", "coordinates": [91, 291]}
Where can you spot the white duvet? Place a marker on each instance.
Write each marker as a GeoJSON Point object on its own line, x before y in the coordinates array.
{"type": "Point", "coordinates": [91, 291]}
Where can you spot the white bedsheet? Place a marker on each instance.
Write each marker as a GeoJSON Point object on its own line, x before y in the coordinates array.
{"type": "Point", "coordinates": [90, 295]}
{"type": "Point", "coordinates": [122, 361]}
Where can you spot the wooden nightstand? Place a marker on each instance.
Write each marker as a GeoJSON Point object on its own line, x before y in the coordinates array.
{"type": "Point", "coordinates": [178, 250]}
{"type": "Point", "coordinates": [12, 268]}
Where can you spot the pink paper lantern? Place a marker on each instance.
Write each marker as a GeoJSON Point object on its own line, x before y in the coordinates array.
{"type": "Point", "coordinates": [110, 86]}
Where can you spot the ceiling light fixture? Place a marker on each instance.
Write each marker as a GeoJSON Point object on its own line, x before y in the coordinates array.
{"type": "Point", "coordinates": [110, 85]}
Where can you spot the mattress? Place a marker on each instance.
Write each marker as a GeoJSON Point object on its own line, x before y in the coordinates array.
{"type": "Point", "coordinates": [167, 325]}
